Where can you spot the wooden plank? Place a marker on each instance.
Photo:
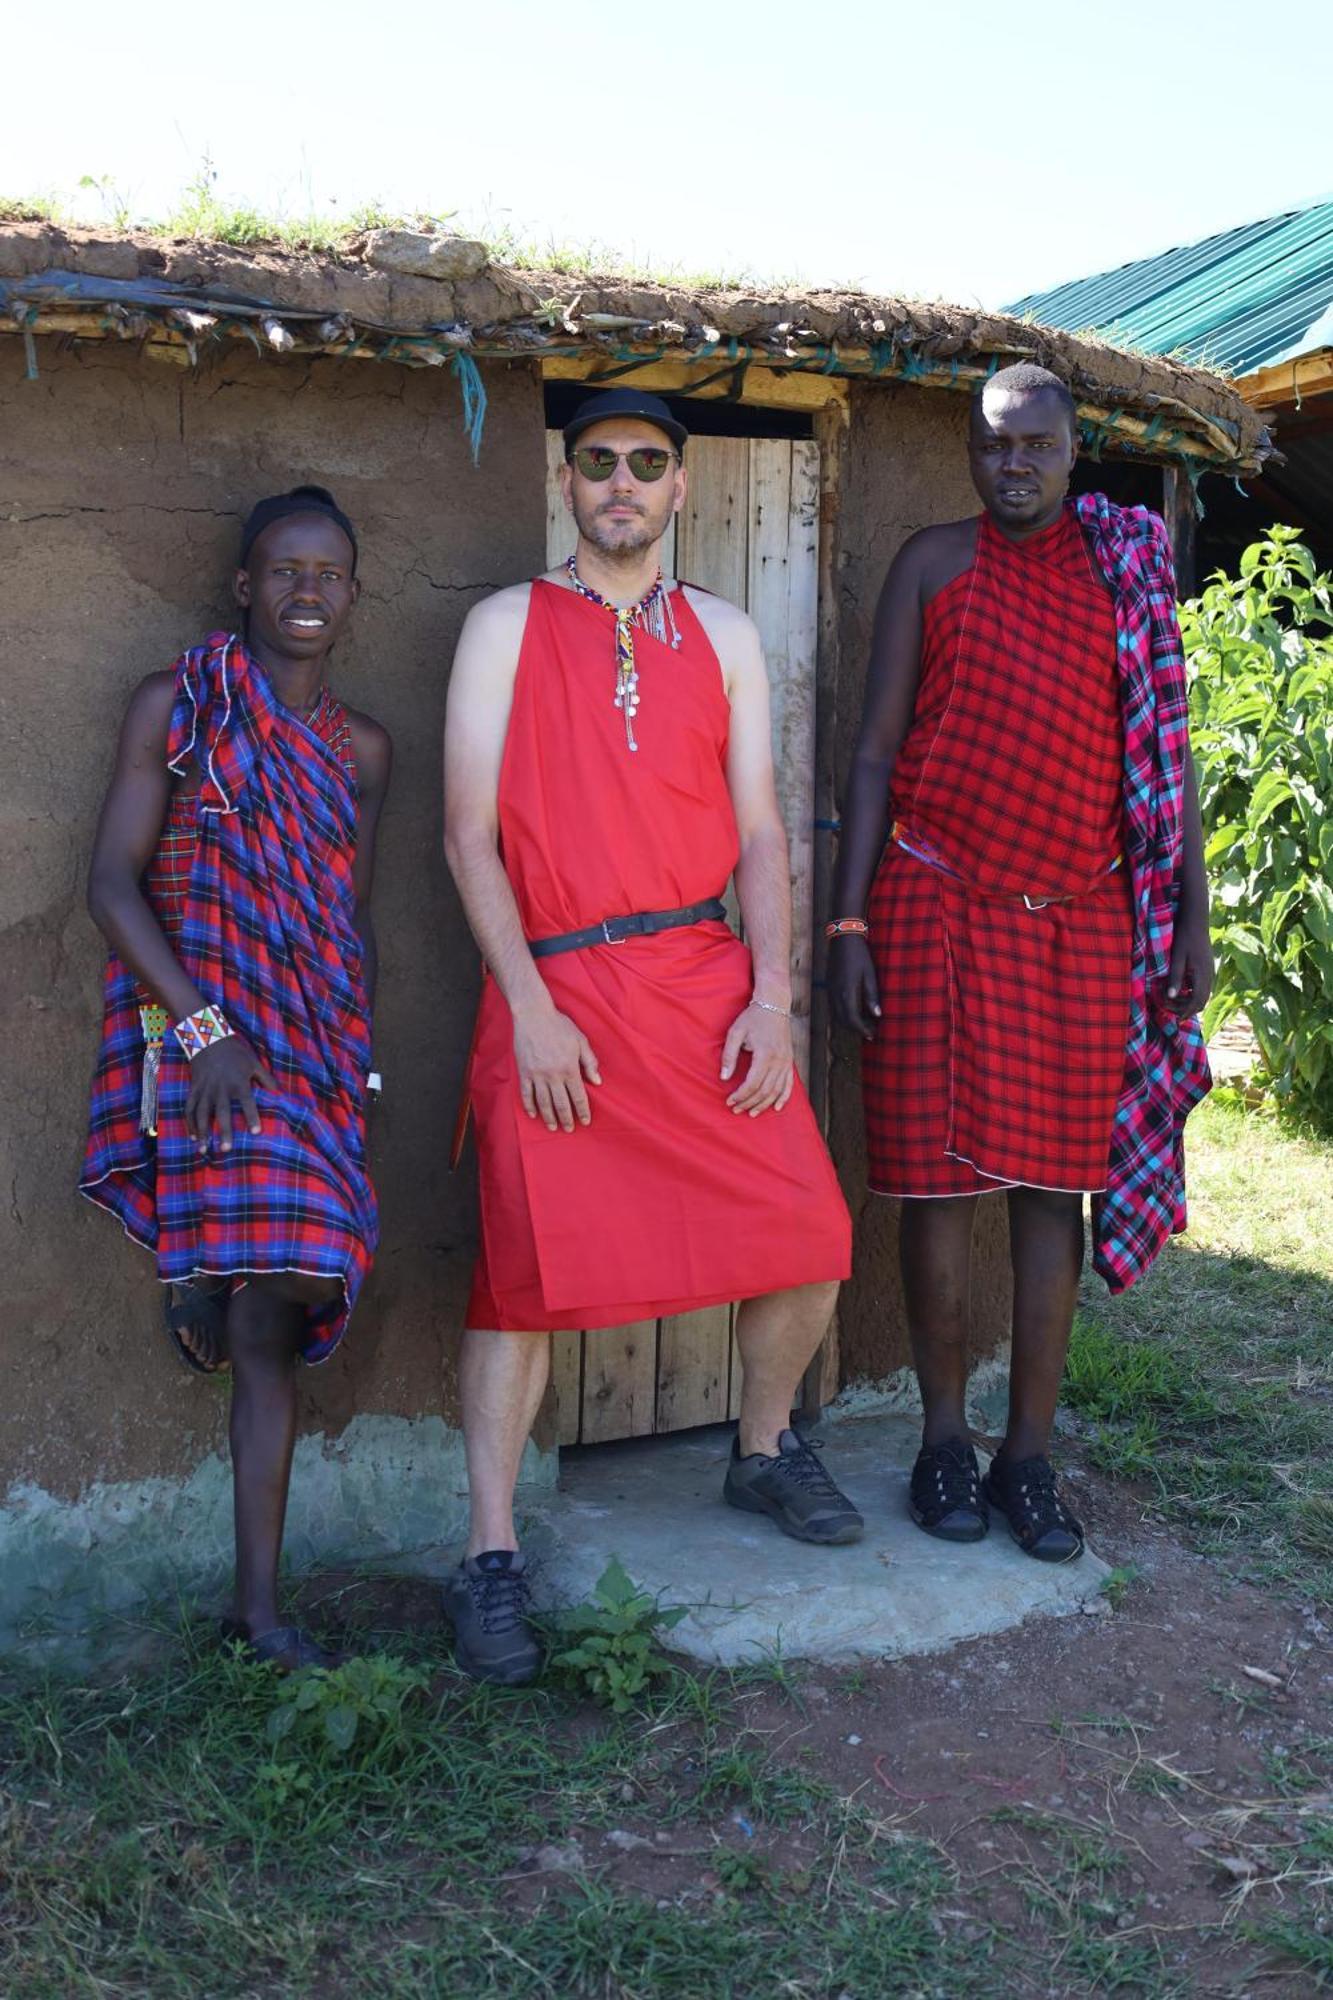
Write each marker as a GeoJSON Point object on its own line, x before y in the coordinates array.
{"type": "Point", "coordinates": [737, 1371]}
{"type": "Point", "coordinates": [782, 597]}
{"type": "Point", "coordinates": [693, 1368]}
{"type": "Point", "coordinates": [1182, 525]}
{"type": "Point", "coordinates": [768, 388]}
{"type": "Point", "coordinates": [712, 545]}
{"type": "Point", "coordinates": [1289, 381]}
{"type": "Point", "coordinates": [561, 534]}
{"type": "Point", "coordinates": [619, 1381]}
{"type": "Point", "coordinates": [567, 1385]}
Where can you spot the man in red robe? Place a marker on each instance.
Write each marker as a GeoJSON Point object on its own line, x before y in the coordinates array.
{"type": "Point", "coordinates": [1024, 953]}
{"type": "Point", "coordinates": [645, 1145]}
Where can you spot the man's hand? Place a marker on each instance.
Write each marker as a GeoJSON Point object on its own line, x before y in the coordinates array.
{"type": "Point", "coordinates": [1189, 976]}
{"type": "Point", "coordinates": [220, 1076]}
{"type": "Point", "coordinates": [553, 1058]}
{"type": "Point", "coordinates": [768, 1038]}
{"type": "Point", "coordinates": [852, 986]}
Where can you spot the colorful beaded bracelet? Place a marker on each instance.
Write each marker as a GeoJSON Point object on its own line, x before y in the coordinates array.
{"type": "Point", "coordinates": [199, 1031]}
{"type": "Point", "coordinates": [847, 927]}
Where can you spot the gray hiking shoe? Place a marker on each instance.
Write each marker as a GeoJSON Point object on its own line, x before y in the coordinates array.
{"type": "Point", "coordinates": [486, 1600]}
{"type": "Point", "coordinates": [794, 1490]}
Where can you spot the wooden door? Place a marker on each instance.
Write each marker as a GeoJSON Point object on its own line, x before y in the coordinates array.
{"type": "Point", "coordinates": [749, 530]}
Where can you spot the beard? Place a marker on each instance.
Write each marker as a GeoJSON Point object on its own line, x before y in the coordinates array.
{"type": "Point", "coordinates": [619, 541]}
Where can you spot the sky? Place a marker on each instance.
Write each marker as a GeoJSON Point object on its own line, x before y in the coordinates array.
{"type": "Point", "coordinates": [960, 153]}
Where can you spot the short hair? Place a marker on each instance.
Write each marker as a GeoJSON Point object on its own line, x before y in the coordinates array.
{"type": "Point", "coordinates": [1026, 378]}
{"type": "Point", "coordinates": [300, 500]}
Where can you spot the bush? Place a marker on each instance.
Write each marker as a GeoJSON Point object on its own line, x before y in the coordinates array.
{"type": "Point", "coordinates": [1260, 653]}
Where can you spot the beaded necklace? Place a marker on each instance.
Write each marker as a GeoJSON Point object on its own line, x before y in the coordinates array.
{"type": "Point", "coordinates": [653, 612]}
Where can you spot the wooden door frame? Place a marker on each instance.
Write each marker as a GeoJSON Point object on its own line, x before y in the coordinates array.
{"type": "Point", "coordinates": [825, 399]}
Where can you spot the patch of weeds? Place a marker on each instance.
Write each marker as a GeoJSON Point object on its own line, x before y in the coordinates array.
{"type": "Point", "coordinates": [739, 1870]}
{"type": "Point", "coordinates": [1109, 1378]}
{"type": "Point", "coordinates": [1305, 1765]}
{"type": "Point", "coordinates": [1294, 1941]}
{"type": "Point", "coordinates": [326, 1713]}
{"type": "Point", "coordinates": [30, 208]}
{"type": "Point", "coordinates": [1117, 1583]}
{"type": "Point", "coordinates": [607, 1647]}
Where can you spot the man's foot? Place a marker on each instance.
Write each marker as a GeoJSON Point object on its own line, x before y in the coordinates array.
{"type": "Point", "coordinates": [1025, 1492]}
{"type": "Point", "coordinates": [486, 1600]}
{"type": "Point", "coordinates": [945, 1497]}
{"type": "Point", "coordinates": [794, 1490]}
{"type": "Point", "coordinates": [286, 1647]}
{"type": "Point", "coordinates": [196, 1317]}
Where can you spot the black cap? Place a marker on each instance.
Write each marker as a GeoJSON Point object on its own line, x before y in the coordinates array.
{"type": "Point", "coordinates": [624, 403]}
{"type": "Point", "coordinates": [301, 500]}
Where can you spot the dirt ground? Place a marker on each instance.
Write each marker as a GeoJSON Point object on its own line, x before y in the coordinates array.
{"type": "Point", "coordinates": [1118, 1797]}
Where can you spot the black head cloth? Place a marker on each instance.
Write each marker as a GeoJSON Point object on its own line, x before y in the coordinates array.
{"type": "Point", "coordinates": [301, 500]}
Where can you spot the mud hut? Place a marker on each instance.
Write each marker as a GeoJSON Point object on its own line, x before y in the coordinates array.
{"type": "Point", "coordinates": [149, 391]}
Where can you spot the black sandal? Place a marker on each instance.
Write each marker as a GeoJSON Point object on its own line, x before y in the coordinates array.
{"type": "Point", "coordinates": [269, 1648]}
{"type": "Point", "coordinates": [199, 1304]}
{"type": "Point", "coordinates": [945, 1497]}
{"type": "Point", "coordinates": [1039, 1521]}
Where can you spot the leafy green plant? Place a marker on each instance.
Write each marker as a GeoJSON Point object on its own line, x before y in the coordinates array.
{"type": "Point", "coordinates": [362, 1701]}
{"type": "Point", "coordinates": [1260, 653]}
{"type": "Point", "coordinates": [608, 1645]}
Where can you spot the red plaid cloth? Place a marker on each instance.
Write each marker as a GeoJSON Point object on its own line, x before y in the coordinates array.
{"type": "Point", "coordinates": [252, 881]}
{"type": "Point", "coordinates": [1001, 1050]}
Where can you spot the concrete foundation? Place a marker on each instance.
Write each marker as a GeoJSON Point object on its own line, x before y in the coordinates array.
{"type": "Point", "coordinates": [76, 1575]}
{"type": "Point", "coordinates": [754, 1593]}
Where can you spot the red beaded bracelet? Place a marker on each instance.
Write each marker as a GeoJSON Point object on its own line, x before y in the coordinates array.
{"type": "Point", "coordinates": [847, 927]}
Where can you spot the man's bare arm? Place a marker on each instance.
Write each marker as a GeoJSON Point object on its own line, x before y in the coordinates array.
{"type": "Point", "coordinates": [127, 835]}
{"type": "Point", "coordinates": [552, 1054]}
{"type": "Point", "coordinates": [763, 880]}
{"type": "Point", "coordinates": [890, 695]}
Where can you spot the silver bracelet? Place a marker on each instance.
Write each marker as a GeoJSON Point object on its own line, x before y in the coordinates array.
{"type": "Point", "coordinates": [767, 1007]}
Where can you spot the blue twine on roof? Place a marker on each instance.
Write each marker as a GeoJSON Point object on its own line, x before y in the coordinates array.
{"type": "Point", "coordinates": [474, 399]}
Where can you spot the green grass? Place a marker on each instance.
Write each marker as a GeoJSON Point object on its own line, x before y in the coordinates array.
{"type": "Point", "coordinates": [191, 1829]}
{"type": "Point", "coordinates": [1211, 1383]}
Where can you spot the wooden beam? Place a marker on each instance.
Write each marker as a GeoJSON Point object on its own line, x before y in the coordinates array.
{"type": "Point", "coordinates": [764, 388]}
{"type": "Point", "coordinates": [1182, 526]}
{"type": "Point", "coordinates": [1289, 382]}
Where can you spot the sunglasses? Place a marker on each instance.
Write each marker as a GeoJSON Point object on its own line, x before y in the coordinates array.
{"type": "Point", "coordinates": [647, 462]}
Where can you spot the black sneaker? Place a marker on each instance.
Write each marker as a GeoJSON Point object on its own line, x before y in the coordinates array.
{"type": "Point", "coordinates": [794, 1490]}
{"type": "Point", "coordinates": [1039, 1521]}
{"type": "Point", "coordinates": [486, 1600]}
{"type": "Point", "coordinates": [945, 1495]}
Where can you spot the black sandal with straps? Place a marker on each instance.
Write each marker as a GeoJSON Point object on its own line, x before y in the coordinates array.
{"type": "Point", "coordinates": [1039, 1521]}
{"type": "Point", "coordinates": [273, 1648]}
{"type": "Point", "coordinates": [945, 1497]}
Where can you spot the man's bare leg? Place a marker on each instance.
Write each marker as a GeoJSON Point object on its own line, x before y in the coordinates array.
{"type": "Point", "coordinates": [264, 1326]}
{"type": "Point", "coordinates": [1046, 1239]}
{"type": "Point", "coordinates": [935, 1248]}
{"type": "Point", "coordinates": [1046, 1242]}
{"type": "Point", "coordinates": [773, 1471]}
{"type": "Point", "coordinates": [777, 1335]}
{"type": "Point", "coordinates": [502, 1377]}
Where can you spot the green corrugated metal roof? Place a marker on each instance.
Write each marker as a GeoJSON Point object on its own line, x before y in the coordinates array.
{"type": "Point", "coordinates": [1237, 301]}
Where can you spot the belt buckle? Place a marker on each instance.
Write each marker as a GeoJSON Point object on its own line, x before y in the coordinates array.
{"type": "Point", "coordinates": [613, 937]}
{"type": "Point", "coordinates": [1039, 903]}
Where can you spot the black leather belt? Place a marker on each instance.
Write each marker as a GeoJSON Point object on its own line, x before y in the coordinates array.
{"type": "Point", "coordinates": [644, 923]}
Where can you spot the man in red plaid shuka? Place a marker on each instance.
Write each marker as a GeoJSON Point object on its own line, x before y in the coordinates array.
{"type": "Point", "coordinates": [231, 877]}
{"type": "Point", "coordinates": [1025, 953]}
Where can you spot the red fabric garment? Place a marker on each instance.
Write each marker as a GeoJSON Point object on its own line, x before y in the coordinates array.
{"type": "Point", "coordinates": [667, 1200]}
{"type": "Point", "coordinates": [1001, 1051]}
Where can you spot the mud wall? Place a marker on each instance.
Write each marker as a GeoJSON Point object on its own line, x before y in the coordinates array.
{"type": "Point", "coordinates": [123, 479]}
{"type": "Point", "coordinates": [905, 467]}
